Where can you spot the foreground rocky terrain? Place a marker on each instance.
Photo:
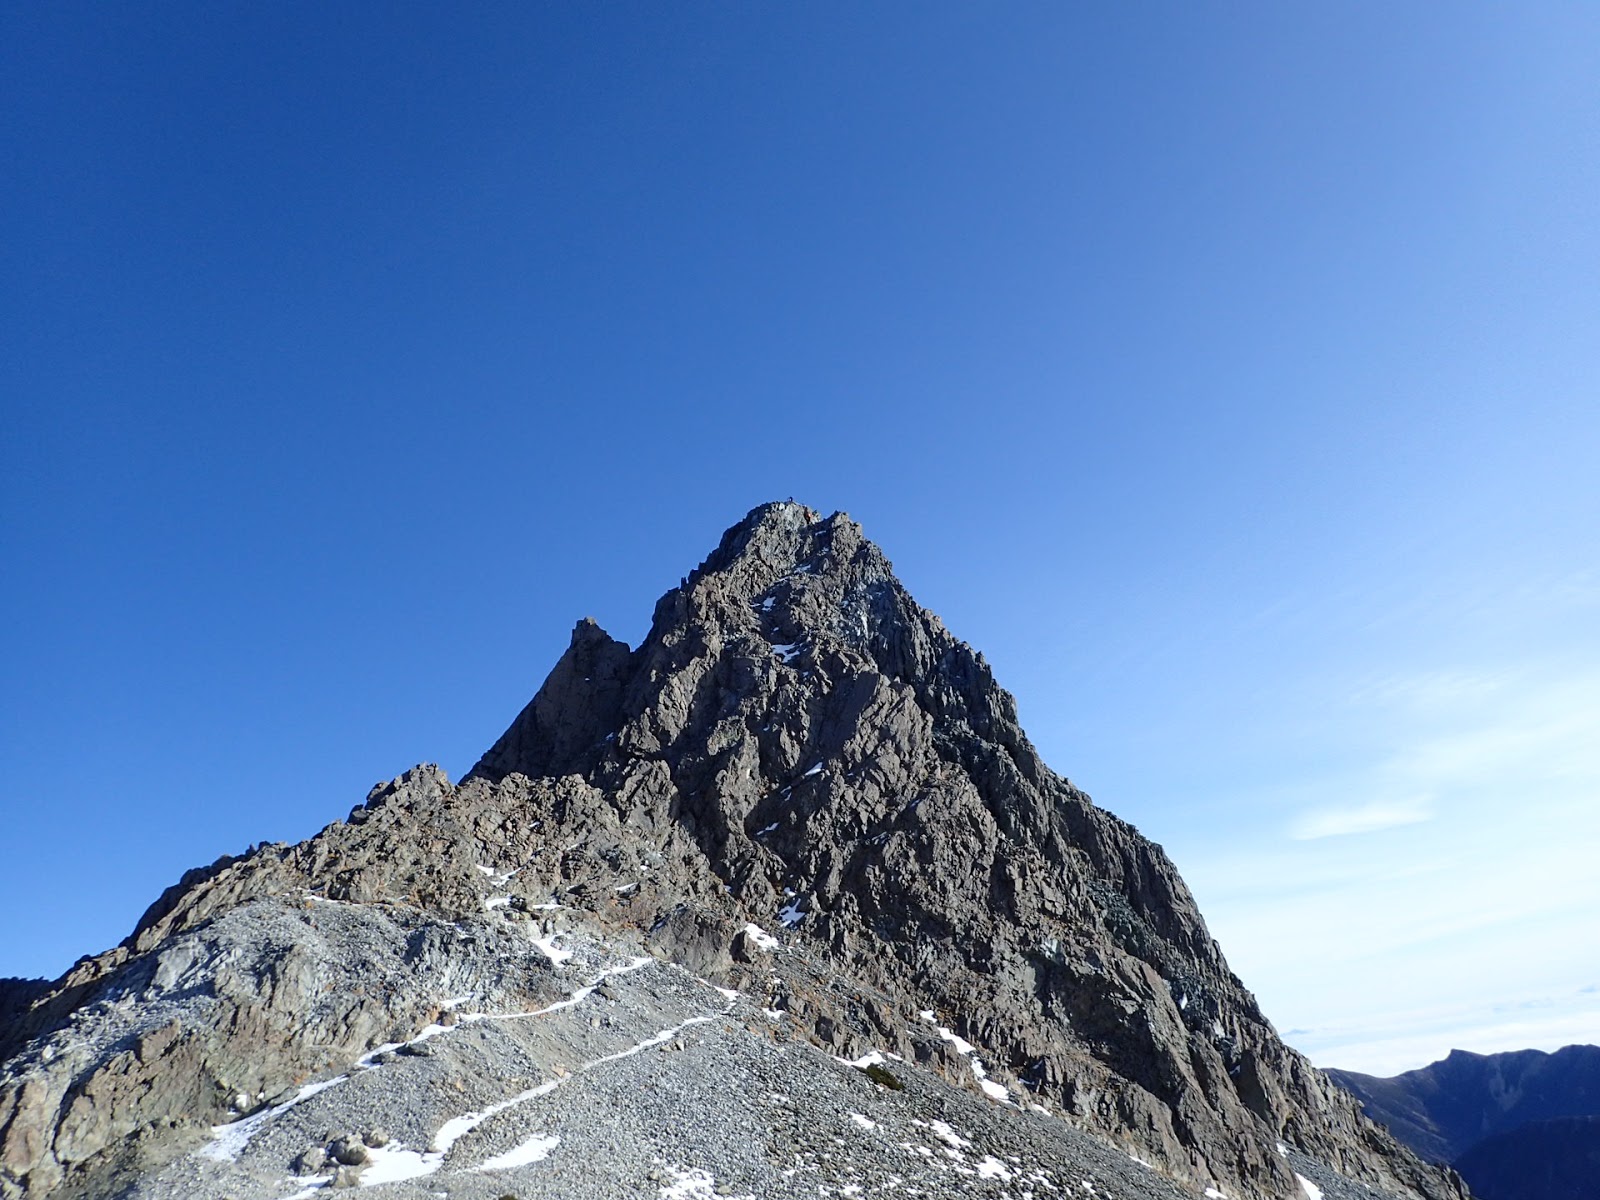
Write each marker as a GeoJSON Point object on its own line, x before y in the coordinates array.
{"type": "Point", "coordinates": [780, 903]}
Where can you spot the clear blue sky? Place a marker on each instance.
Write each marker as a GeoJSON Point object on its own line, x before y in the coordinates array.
{"type": "Point", "coordinates": [1226, 373]}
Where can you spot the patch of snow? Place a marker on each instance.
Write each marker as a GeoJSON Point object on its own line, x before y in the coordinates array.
{"type": "Point", "coordinates": [1283, 1150]}
{"type": "Point", "coordinates": [767, 830]}
{"type": "Point", "coordinates": [489, 871]}
{"type": "Point", "coordinates": [572, 1001]}
{"type": "Point", "coordinates": [494, 902]}
{"type": "Point", "coordinates": [773, 1014]}
{"type": "Point", "coordinates": [948, 1136]}
{"type": "Point", "coordinates": [666, 1035]}
{"type": "Point", "coordinates": [456, 1128]}
{"type": "Point", "coordinates": [633, 964]}
{"type": "Point", "coordinates": [955, 1039]}
{"type": "Point", "coordinates": [535, 1149]}
{"type": "Point", "coordinates": [689, 1185]}
{"type": "Point", "coordinates": [391, 1164]}
{"type": "Point", "coordinates": [575, 998]}
{"type": "Point", "coordinates": [1312, 1191]}
{"type": "Point", "coordinates": [864, 1121]}
{"type": "Point", "coordinates": [992, 1168]}
{"type": "Point", "coordinates": [369, 1058]}
{"type": "Point", "coordinates": [229, 1141]}
{"type": "Point", "coordinates": [692, 1184]}
{"type": "Point", "coordinates": [791, 914]}
{"type": "Point", "coordinates": [1215, 1194]}
{"type": "Point", "coordinates": [787, 651]}
{"type": "Point", "coordinates": [1140, 1161]}
{"type": "Point", "coordinates": [394, 1163]}
{"type": "Point", "coordinates": [815, 770]}
{"type": "Point", "coordinates": [766, 604]}
{"type": "Point", "coordinates": [870, 1059]}
{"type": "Point", "coordinates": [557, 956]}
{"type": "Point", "coordinates": [991, 1089]}
{"type": "Point", "coordinates": [761, 937]}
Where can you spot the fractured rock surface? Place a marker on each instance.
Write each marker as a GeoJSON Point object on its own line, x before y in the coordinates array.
{"type": "Point", "coordinates": [800, 788]}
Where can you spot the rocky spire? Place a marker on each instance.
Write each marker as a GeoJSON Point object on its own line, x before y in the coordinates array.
{"type": "Point", "coordinates": [795, 747]}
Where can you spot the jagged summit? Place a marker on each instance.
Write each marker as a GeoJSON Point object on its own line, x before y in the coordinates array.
{"type": "Point", "coordinates": [801, 788]}
{"type": "Point", "coordinates": [784, 586]}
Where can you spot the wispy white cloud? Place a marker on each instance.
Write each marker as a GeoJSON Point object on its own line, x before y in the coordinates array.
{"type": "Point", "coordinates": [1365, 818]}
{"type": "Point", "coordinates": [1385, 1043]}
{"type": "Point", "coordinates": [1430, 691]}
{"type": "Point", "coordinates": [1469, 903]}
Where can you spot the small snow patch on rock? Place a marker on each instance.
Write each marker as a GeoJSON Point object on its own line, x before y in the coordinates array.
{"type": "Point", "coordinates": [535, 1149]}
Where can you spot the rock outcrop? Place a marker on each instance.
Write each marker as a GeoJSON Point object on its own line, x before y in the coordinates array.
{"type": "Point", "coordinates": [799, 786]}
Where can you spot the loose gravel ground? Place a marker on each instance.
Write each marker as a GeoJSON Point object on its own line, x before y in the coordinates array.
{"type": "Point", "coordinates": [646, 1082]}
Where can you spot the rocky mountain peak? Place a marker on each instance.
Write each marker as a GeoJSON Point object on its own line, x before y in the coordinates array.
{"type": "Point", "coordinates": [778, 539]}
{"type": "Point", "coordinates": [803, 790]}
{"type": "Point", "coordinates": [797, 581]}
{"type": "Point", "coordinates": [789, 606]}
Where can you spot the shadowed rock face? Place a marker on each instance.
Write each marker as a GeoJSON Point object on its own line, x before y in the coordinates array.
{"type": "Point", "coordinates": [1542, 1160]}
{"type": "Point", "coordinates": [796, 746]}
{"type": "Point", "coordinates": [1518, 1126]}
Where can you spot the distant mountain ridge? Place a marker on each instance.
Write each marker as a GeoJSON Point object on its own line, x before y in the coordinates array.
{"type": "Point", "coordinates": [1443, 1109]}
{"type": "Point", "coordinates": [1523, 1125]}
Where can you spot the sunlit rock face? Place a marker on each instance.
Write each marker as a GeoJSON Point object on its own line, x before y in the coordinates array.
{"type": "Point", "coordinates": [804, 817]}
